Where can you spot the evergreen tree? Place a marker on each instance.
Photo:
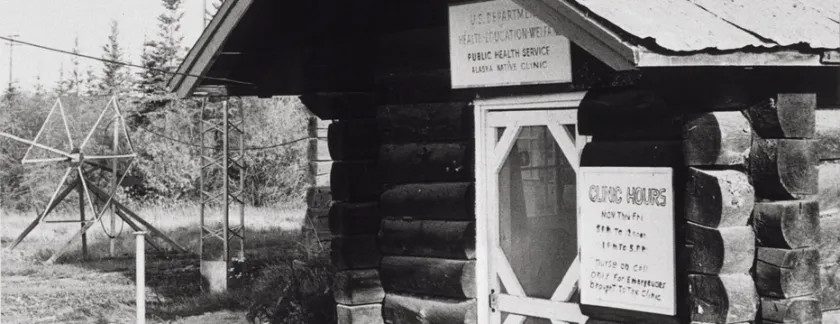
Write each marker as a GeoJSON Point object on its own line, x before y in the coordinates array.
{"type": "Point", "coordinates": [163, 54]}
{"type": "Point", "coordinates": [60, 85]}
{"type": "Point", "coordinates": [39, 86]}
{"type": "Point", "coordinates": [114, 75]}
{"type": "Point", "coordinates": [90, 84]}
{"type": "Point", "coordinates": [74, 83]}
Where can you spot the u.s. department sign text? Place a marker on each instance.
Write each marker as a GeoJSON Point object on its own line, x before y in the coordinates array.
{"type": "Point", "coordinates": [498, 43]}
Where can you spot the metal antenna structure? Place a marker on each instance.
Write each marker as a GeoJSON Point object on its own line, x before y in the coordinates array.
{"type": "Point", "coordinates": [222, 185]}
{"type": "Point", "coordinates": [82, 161]}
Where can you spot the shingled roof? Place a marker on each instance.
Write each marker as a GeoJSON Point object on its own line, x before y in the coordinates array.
{"type": "Point", "coordinates": [625, 34]}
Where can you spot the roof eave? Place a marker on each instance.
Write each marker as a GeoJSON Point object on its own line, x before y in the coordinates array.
{"type": "Point", "coordinates": [585, 32]}
{"type": "Point", "coordinates": [208, 46]}
{"type": "Point", "coordinates": [778, 57]}
{"type": "Point", "coordinates": [620, 54]}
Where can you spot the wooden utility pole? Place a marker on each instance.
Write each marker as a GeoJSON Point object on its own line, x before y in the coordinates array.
{"type": "Point", "coordinates": [112, 238]}
{"type": "Point", "coordinates": [11, 49]}
{"type": "Point", "coordinates": [81, 192]}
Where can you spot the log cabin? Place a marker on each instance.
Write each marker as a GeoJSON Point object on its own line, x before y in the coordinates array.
{"type": "Point", "coordinates": [558, 161]}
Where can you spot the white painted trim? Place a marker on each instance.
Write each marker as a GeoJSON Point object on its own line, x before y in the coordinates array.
{"type": "Point", "coordinates": [482, 268]}
{"type": "Point", "coordinates": [567, 145]}
{"type": "Point", "coordinates": [543, 308]}
{"type": "Point", "coordinates": [503, 147]}
{"type": "Point", "coordinates": [569, 283]}
{"type": "Point", "coordinates": [506, 274]}
{"type": "Point", "coordinates": [544, 101]}
{"type": "Point", "coordinates": [778, 58]}
{"type": "Point", "coordinates": [505, 118]}
{"type": "Point", "coordinates": [513, 113]}
{"type": "Point", "coordinates": [585, 32]}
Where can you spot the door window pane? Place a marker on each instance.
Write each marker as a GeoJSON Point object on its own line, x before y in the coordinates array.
{"type": "Point", "coordinates": [537, 211]}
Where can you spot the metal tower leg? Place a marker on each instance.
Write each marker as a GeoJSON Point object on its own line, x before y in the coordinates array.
{"type": "Point", "coordinates": [222, 182]}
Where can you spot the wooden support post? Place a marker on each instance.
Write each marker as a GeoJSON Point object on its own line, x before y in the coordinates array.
{"type": "Point", "coordinates": [112, 240]}
{"type": "Point", "coordinates": [80, 190]}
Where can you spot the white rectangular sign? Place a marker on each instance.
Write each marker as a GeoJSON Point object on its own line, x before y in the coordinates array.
{"type": "Point", "coordinates": [497, 43]}
{"type": "Point", "coordinates": [626, 238]}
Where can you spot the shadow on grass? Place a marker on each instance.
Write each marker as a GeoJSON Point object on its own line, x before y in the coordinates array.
{"type": "Point", "coordinates": [287, 277]}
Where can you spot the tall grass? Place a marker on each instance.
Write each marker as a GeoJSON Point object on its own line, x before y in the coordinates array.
{"type": "Point", "coordinates": [286, 278]}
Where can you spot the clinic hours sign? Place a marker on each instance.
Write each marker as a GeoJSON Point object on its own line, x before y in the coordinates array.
{"type": "Point", "coordinates": [626, 238]}
{"type": "Point", "coordinates": [498, 43]}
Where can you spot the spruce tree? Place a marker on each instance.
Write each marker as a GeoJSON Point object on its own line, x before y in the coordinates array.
{"type": "Point", "coordinates": [114, 75]}
{"type": "Point", "coordinates": [60, 85]}
{"type": "Point", "coordinates": [39, 85]}
{"type": "Point", "coordinates": [165, 53]}
{"type": "Point", "coordinates": [74, 84]}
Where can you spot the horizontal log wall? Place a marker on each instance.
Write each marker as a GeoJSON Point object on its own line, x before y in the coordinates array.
{"type": "Point", "coordinates": [352, 215]}
{"type": "Point", "coordinates": [827, 131]}
{"type": "Point", "coordinates": [427, 235]}
{"type": "Point", "coordinates": [318, 196]}
{"type": "Point", "coordinates": [783, 166]}
{"type": "Point", "coordinates": [424, 162]}
{"type": "Point", "coordinates": [719, 201]}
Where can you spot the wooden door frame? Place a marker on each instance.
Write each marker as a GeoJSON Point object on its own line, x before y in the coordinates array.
{"type": "Point", "coordinates": [556, 101]}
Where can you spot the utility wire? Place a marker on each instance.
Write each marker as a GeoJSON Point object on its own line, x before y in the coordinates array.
{"type": "Point", "coordinates": [250, 148]}
{"type": "Point", "coordinates": [52, 49]}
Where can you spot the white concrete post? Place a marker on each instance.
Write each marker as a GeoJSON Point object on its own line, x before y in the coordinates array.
{"type": "Point", "coordinates": [140, 266]}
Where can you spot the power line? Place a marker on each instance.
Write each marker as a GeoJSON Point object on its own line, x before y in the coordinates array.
{"type": "Point", "coordinates": [250, 148]}
{"type": "Point", "coordinates": [52, 49]}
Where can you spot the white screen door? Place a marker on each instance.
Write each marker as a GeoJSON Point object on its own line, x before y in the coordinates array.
{"type": "Point", "coordinates": [527, 156]}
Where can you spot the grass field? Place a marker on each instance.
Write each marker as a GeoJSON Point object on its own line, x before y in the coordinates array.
{"type": "Point", "coordinates": [98, 289]}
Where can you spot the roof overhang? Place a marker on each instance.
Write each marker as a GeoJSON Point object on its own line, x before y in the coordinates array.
{"type": "Point", "coordinates": [208, 47]}
{"type": "Point", "coordinates": [616, 49]}
{"type": "Point", "coordinates": [230, 57]}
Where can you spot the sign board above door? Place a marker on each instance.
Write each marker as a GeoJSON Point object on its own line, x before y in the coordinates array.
{"type": "Point", "coordinates": [626, 238]}
{"type": "Point", "coordinates": [499, 43]}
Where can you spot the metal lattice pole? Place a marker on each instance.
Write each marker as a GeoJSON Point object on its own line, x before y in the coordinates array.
{"type": "Point", "coordinates": [224, 164]}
